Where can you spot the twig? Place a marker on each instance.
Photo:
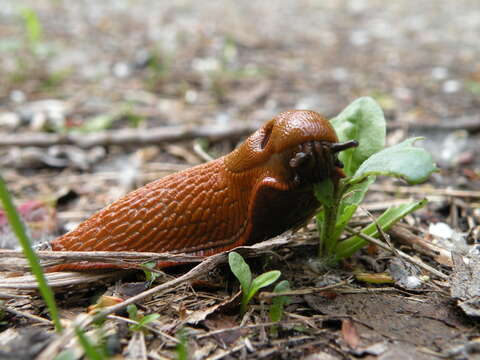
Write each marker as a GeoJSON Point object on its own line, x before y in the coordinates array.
{"type": "Point", "coordinates": [197, 147]}
{"type": "Point", "coordinates": [471, 125]}
{"type": "Point", "coordinates": [26, 315]}
{"type": "Point", "coordinates": [129, 136]}
{"type": "Point", "coordinates": [439, 254]}
{"type": "Point", "coordinates": [131, 259]}
{"type": "Point", "coordinates": [400, 253]}
{"type": "Point", "coordinates": [305, 291]}
{"type": "Point", "coordinates": [227, 352]}
{"type": "Point", "coordinates": [13, 296]}
{"type": "Point", "coordinates": [148, 327]}
{"type": "Point", "coordinates": [425, 191]}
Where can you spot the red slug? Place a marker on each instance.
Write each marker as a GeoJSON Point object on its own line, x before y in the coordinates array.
{"type": "Point", "coordinates": [259, 190]}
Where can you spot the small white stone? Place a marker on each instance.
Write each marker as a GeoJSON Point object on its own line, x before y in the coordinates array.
{"type": "Point", "coordinates": [18, 96]}
{"type": "Point", "coordinates": [441, 230]}
{"type": "Point", "coordinates": [412, 282]}
{"type": "Point", "coordinates": [9, 120]}
{"type": "Point", "coordinates": [191, 96]}
{"type": "Point", "coordinates": [121, 70]}
{"type": "Point", "coordinates": [451, 86]}
{"type": "Point", "coordinates": [205, 65]}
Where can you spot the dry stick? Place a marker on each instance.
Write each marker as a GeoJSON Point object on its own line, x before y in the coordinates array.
{"type": "Point", "coordinates": [13, 296]}
{"type": "Point", "coordinates": [471, 124]}
{"type": "Point", "coordinates": [26, 315]}
{"type": "Point", "coordinates": [305, 291]}
{"type": "Point", "coordinates": [148, 327]}
{"type": "Point", "coordinates": [129, 136]}
{"type": "Point", "coordinates": [129, 258]}
{"type": "Point", "coordinates": [172, 133]}
{"type": "Point", "coordinates": [439, 254]}
{"type": "Point", "coordinates": [425, 191]}
{"type": "Point", "coordinates": [400, 253]}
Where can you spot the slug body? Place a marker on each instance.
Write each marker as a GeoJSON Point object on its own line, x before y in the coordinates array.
{"type": "Point", "coordinates": [259, 190]}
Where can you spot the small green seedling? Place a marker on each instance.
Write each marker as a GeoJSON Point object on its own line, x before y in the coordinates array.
{"type": "Point", "coordinates": [242, 272]}
{"type": "Point", "coordinates": [363, 120]}
{"type": "Point", "coordinates": [181, 350]}
{"type": "Point", "coordinates": [278, 303]}
{"type": "Point", "coordinates": [141, 320]}
{"type": "Point", "coordinates": [150, 275]}
{"type": "Point", "coordinates": [92, 352]}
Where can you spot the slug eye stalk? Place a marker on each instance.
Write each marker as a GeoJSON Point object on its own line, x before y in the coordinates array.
{"type": "Point", "coordinates": [337, 147]}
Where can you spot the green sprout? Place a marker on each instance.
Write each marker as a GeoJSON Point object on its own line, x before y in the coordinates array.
{"type": "Point", "coordinates": [150, 276]}
{"type": "Point", "coordinates": [92, 352]}
{"type": "Point", "coordinates": [33, 28]}
{"type": "Point", "coordinates": [250, 287]}
{"type": "Point", "coordinates": [181, 350]}
{"type": "Point", "coordinates": [363, 120]}
{"type": "Point", "coordinates": [141, 321]}
{"type": "Point", "coordinates": [278, 303]}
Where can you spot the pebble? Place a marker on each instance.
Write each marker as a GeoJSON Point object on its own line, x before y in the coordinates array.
{"type": "Point", "coordinates": [451, 86]}
{"type": "Point", "coordinates": [9, 120]}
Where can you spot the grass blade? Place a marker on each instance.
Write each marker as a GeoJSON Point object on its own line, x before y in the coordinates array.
{"type": "Point", "coordinates": [19, 230]}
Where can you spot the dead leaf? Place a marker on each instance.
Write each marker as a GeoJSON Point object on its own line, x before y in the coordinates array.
{"type": "Point", "coordinates": [465, 284]}
{"type": "Point", "coordinates": [350, 334]}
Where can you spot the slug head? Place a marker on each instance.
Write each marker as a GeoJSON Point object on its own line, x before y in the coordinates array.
{"type": "Point", "coordinates": [296, 145]}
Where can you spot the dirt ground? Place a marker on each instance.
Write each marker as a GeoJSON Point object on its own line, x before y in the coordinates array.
{"type": "Point", "coordinates": [138, 65]}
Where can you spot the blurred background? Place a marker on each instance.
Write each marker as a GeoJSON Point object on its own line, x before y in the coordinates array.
{"type": "Point", "coordinates": [88, 66]}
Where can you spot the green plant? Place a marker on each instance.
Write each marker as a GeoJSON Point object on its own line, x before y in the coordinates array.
{"type": "Point", "coordinates": [181, 350]}
{"type": "Point", "coordinates": [250, 287]}
{"type": "Point", "coordinates": [19, 230]}
{"type": "Point", "coordinates": [150, 276]}
{"type": "Point", "coordinates": [140, 319]}
{"type": "Point", "coordinates": [33, 28]}
{"type": "Point", "coordinates": [363, 120]}
{"type": "Point", "coordinates": [278, 302]}
{"type": "Point", "coordinates": [92, 352]}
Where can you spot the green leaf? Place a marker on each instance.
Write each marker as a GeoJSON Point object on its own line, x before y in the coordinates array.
{"type": "Point", "coordinates": [241, 270]}
{"type": "Point", "coordinates": [262, 281]}
{"type": "Point", "coordinates": [68, 354]}
{"type": "Point", "coordinates": [97, 123]}
{"type": "Point", "coordinates": [349, 204]}
{"type": "Point", "coordinates": [403, 160]}
{"type": "Point", "coordinates": [276, 309]}
{"type": "Point", "coordinates": [32, 26]}
{"type": "Point", "coordinates": [144, 321]}
{"type": "Point", "coordinates": [324, 192]}
{"type": "Point", "coordinates": [132, 312]}
{"type": "Point", "coordinates": [181, 350]}
{"type": "Point", "coordinates": [147, 319]}
{"type": "Point", "coordinates": [349, 246]}
{"type": "Point", "coordinates": [90, 351]}
{"type": "Point", "coordinates": [150, 276]}
{"type": "Point", "coordinates": [362, 120]}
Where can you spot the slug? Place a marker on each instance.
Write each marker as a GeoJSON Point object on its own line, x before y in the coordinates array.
{"type": "Point", "coordinates": [258, 191]}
